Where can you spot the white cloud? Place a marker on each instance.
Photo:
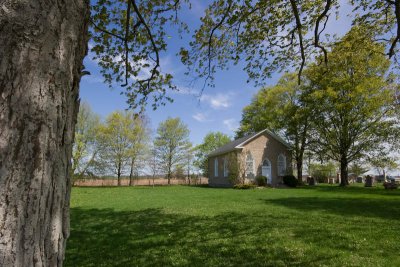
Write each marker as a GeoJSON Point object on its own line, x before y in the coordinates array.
{"type": "Point", "coordinates": [92, 79]}
{"type": "Point", "coordinates": [219, 101]}
{"type": "Point", "coordinates": [231, 124]}
{"type": "Point", "coordinates": [183, 90]}
{"type": "Point", "coordinates": [201, 117]}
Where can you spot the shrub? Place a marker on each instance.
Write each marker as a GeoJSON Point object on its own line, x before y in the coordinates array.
{"type": "Point", "coordinates": [389, 185]}
{"type": "Point", "coordinates": [243, 186]}
{"type": "Point", "coordinates": [261, 180]}
{"type": "Point", "coordinates": [301, 183]}
{"type": "Point", "coordinates": [290, 180]}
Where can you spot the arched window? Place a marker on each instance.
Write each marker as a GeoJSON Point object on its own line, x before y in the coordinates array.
{"type": "Point", "coordinates": [281, 165]}
{"type": "Point", "coordinates": [216, 167]}
{"type": "Point", "coordinates": [226, 167]}
{"type": "Point", "coordinates": [249, 165]}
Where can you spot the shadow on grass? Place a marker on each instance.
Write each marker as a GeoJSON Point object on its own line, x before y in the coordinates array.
{"type": "Point", "coordinates": [152, 237]}
{"type": "Point", "coordinates": [355, 189]}
{"type": "Point", "coordinates": [388, 209]}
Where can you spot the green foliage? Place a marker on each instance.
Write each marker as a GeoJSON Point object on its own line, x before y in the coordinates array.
{"type": "Point", "coordinates": [281, 109]}
{"type": "Point", "coordinates": [384, 163]}
{"type": "Point", "coordinates": [236, 168]}
{"type": "Point", "coordinates": [121, 140]}
{"type": "Point", "coordinates": [290, 180]}
{"type": "Point", "coordinates": [171, 143]}
{"type": "Point", "coordinates": [272, 36]}
{"type": "Point", "coordinates": [211, 141]}
{"type": "Point", "coordinates": [321, 172]}
{"type": "Point", "coordinates": [351, 99]}
{"type": "Point", "coordinates": [192, 226]}
{"type": "Point", "coordinates": [358, 169]}
{"type": "Point", "coordinates": [85, 148]}
{"type": "Point", "coordinates": [261, 180]}
{"type": "Point", "coordinates": [179, 172]}
{"type": "Point", "coordinates": [128, 38]}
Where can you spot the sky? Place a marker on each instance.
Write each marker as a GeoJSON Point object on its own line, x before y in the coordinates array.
{"type": "Point", "coordinates": [218, 108]}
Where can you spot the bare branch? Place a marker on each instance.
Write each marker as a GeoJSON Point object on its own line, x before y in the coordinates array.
{"type": "Point", "coordinates": [317, 33]}
{"type": "Point", "coordinates": [155, 48]}
{"type": "Point", "coordinates": [172, 7]}
{"type": "Point", "coordinates": [300, 34]}
{"type": "Point", "coordinates": [396, 39]}
{"type": "Point", "coordinates": [106, 31]}
{"type": "Point", "coordinates": [128, 18]}
{"type": "Point", "coordinates": [212, 34]}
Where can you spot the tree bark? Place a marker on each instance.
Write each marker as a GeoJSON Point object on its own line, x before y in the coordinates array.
{"type": "Point", "coordinates": [344, 173]}
{"type": "Point", "coordinates": [119, 173]}
{"type": "Point", "coordinates": [299, 166]}
{"type": "Point", "coordinates": [131, 172]}
{"type": "Point", "coordinates": [42, 46]}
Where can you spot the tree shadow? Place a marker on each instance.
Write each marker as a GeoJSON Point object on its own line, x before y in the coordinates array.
{"type": "Point", "coordinates": [387, 209]}
{"type": "Point", "coordinates": [355, 189]}
{"type": "Point", "coordinates": [152, 237]}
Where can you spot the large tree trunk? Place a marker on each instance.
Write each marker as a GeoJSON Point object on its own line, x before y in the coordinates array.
{"type": "Point", "coordinates": [42, 46]}
{"type": "Point", "coordinates": [344, 173]}
{"type": "Point", "coordinates": [131, 172]}
{"type": "Point", "coordinates": [119, 173]}
{"type": "Point", "coordinates": [299, 166]}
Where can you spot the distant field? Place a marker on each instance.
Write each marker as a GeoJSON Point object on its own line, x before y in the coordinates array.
{"type": "Point", "coordinates": [112, 181]}
{"type": "Point", "coordinates": [199, 226]}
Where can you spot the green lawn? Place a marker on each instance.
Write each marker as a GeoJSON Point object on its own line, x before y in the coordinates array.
{"type": "Point", "coordinates": [199, 226]}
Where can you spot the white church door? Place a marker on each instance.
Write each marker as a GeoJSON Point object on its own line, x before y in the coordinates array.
{"type": "Point", "coordinates": [266, 170]}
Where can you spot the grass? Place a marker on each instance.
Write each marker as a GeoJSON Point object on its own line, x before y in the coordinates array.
{"type": "Point", "coordinates": [198, 226]}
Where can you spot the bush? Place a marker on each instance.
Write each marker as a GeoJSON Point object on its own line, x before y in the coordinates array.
{"type": "Point", "coordinates": [290, 180]}
{"type": "Point", "coordinates": [261, 180]}
{"type": "Point", "coordinates": [243, 186]}
{"type": "Point", "coordinates": [300, 183]}
{"type": "Point", "coordinates": [389, 185]}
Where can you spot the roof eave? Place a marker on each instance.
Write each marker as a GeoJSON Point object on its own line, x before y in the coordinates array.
{"type": "Point", "coordinates": [225, 152]}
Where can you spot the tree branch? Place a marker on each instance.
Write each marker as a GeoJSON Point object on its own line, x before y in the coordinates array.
{"type": "Point", "coordinates": [155, 48]}
{"type": "Point", "coordinates": [396, 4]}
{"type": "Point", "coordinates": [128, 18]}
{"type": "Point", "coordinates": [317, 33]}
{"type": "Point", "coordinates": [300, 34]}
{"type": "Point", "coordinates": [211, 36]}
{"type": "Point", "coordinates": [106, 31]}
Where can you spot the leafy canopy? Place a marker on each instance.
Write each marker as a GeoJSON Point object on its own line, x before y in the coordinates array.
{"type": "Point", "coordinates": [128, 38]}
{"type": "Point", "coordinates": [352, 98]}
{"type": "Point", "coordinates": [211, 141]}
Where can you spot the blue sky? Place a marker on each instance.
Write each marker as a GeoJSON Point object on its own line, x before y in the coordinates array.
{"type": "Point", "coordinates": [218, 109]}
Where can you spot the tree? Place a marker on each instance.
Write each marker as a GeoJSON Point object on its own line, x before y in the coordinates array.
{"type": "Point", "coordinates": [40, 68]}
{"type": "Point", "coordinates": [271, 36]}
{"type": "Point", "coordinates": [281, 109]}
{"type": "Point", "coordinates": [84, 149]}
{"type": "Point", "coordinates": [42, 46]}
{"type": "Point", "coordinates": [40, 93]}
{"type": "Point", "coordinates": [153, 162]}
{"type": "Point", "coordinates": [171, 140]}
{"type": "Point", "coordinates": [358, 168]}
{"type": "Point", "coordinates": [189, 161]}
{"type": "Point", "coordinates": [211, 141]}
{"type": "Point", "coordinates": [352, 100]}
{"type": "Point", "coordinates": [179, 171]}
{"type": "Point", "coordinates": [117, 139]}
{"type": "Point", "coordinates": [383, 164]}
{"type": "Point", "coordinates": [138, 138]}
{"type": "Point", "coordinates": [236, 163]}
{"type": "Point", "coordinates": [322, 171]}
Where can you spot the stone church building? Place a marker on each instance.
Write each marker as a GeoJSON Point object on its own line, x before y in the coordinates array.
{"type": "Point", "coordinates": [263, 153]}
